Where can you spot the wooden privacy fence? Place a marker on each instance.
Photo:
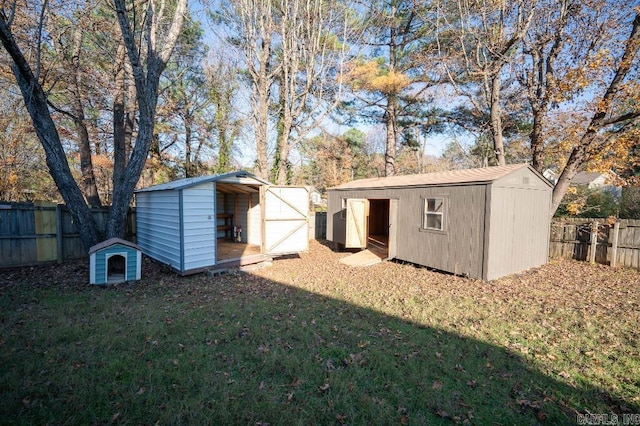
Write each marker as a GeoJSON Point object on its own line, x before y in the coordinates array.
{"type": "Point", "coordinates": [320, 225]}
{"type": "Point", "coordinates": [45, 232]}
{"type": "Point", "coordinates": [595, 240]}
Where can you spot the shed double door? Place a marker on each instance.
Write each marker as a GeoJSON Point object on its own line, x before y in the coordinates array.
{"type": "Point", "coordinates": [285, 212]}
{"type": "Point", "coordinates": [357, 229]}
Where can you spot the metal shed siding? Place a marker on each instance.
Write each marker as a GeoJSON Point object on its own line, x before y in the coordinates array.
{"type": "Point", "coordinates": [199, 226]}
{"type": "Point", "coordinates": [518, 236]}
{"type": "Point", "coordinates": [158, 225]}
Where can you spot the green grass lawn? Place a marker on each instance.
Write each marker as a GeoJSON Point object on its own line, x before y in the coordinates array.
{"type": "Point", "coordinates": [310, 341]}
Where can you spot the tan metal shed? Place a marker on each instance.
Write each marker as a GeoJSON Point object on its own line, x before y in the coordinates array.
{"type": "Point", "coordinates": [483, 223]}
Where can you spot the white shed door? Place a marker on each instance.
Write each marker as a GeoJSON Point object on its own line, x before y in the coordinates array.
{"type": "Point", "coordinates": [356, 223]}
{"type": "Point", "coordinates": [286, 219]}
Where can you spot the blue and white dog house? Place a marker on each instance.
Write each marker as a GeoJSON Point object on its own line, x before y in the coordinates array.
{"type": "Point", "coordinates": [114, 261]}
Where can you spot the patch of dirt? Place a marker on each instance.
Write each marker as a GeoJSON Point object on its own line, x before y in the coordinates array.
{"type": "Point", "coordinates": [561, 283]}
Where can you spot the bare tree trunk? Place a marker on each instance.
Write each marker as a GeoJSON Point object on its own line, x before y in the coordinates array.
{"type": "Point", "coordinates": [158, 50]}
{"type": "Point", "coordinates": [36, 104]}
{"type": "Point", "coordinates": [282, 176]}
{"type": "Point", "coordinates": [89, 186]}
{"type": "Point", "coordinates": [257, 25]}
{"type": "Point", "coordinates": [537, 143]}
{"type": "Point", "coordinates": [496, 120]}
{"type": "Point", "coordinates": [189, 169]}
{"type": "Point", "coordinates": [130, 110]}
{"type": "Point", "coordinates": [541, 79]}
{"type": "Point", "coordinates": [539, 91]}
{"type": "Point", "coordinates": [261, 122]}
{"type": "Point", "coordinates": [281, 164]}
{"type": "Point", "coordinates": [119, 133]}
{"type": "Point", "coordinates": [392, 138]}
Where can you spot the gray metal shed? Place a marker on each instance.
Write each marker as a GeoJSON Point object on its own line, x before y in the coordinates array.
{"type": "Point", "coordinates": [483, 223]}
{"type": "Point", "coordinates": [223, 220]}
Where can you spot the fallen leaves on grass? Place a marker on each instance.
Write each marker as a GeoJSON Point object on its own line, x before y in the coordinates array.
{"type": "Point", "coordinates": [571, 321]}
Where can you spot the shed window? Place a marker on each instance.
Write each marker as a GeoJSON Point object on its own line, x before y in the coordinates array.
{"type": "Point", "coordinates": [433, 217]}
{"type": "Point", "coordinates": [343, 211]}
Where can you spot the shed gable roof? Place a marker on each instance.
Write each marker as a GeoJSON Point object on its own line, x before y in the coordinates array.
{"type": "Point", "coordinates": [485, 174]}
{"type": "Point", "coordinates": [233, 177]}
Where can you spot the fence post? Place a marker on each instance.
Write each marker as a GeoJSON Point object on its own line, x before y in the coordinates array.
{"type": "Point", "coordinates": [59, 232]}
{"type": "Point", "coordinates": [594, 241]}
{"type": "Point", "coordinates": [614, 245]}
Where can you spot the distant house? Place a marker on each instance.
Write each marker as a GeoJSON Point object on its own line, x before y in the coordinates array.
{"type": "Point", "coordinates": [315, 197]}
{"type": "Point", "coordinates": [591, 180]}
{"type": "Point", "coordinates": [483, 223]}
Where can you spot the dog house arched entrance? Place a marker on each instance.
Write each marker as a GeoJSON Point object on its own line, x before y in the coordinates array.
{"type": "Point", "coordinates": [116, 267]}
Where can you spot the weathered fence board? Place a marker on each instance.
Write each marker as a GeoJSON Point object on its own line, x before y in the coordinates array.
{"type": "Point", "coordinates": [571, 238]}
{"type": "Point", "coordinates": [45, 232]}
{"type": "Point", "coordinates": [321, 225]}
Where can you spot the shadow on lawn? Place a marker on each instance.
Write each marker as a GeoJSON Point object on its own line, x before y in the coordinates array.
{"type": "Point", "coordinates": [239, 349]}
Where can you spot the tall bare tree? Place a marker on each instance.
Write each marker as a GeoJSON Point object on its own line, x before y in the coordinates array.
{"type": "Point", "coordinates": [291, 53]}
{"type": "Point", "coordinates": [478, 39]}
{"type": "Point", "coordinates": [149, 36]}
{"type": "Point", "coordinates": [252, 25]}
{"type": "Point", "coordinates": [580, 73]}
{"type": "Point", "coordinates": [542, 49]}
{"type": "Point", "coordinates": [68, 37]}
{"type": "Point", "coordinates": [312, 38]}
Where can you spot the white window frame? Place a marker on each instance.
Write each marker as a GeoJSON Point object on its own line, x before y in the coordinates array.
{"type": "Point", "coordinates": [426, 213]}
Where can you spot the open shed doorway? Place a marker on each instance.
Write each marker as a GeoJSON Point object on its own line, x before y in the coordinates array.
{"type": "Point", "coordinates": [371, 225]}
{"type": "Point", "coordinates": [238, 222]}
{"type": "Point", "coordinates": [378, 225]}
{"type": "Point", "coordinates": [382, 225]}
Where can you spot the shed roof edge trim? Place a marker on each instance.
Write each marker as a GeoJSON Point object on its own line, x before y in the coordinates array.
{"type": "Point", "coordinates": [189, 182]}
{"type": "Point", "coordinates": [484, 175]}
